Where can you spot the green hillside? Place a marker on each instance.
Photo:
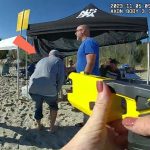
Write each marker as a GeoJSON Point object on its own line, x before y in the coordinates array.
{"type": "Point", "coordinates": [130, 53]}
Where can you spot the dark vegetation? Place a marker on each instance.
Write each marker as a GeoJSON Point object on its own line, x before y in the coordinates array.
{"type": "Point", "coordinates": [131, 53]}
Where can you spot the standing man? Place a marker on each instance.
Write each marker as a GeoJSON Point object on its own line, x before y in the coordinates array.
{"type": "Point", "coordinates": [88, 52]}
{"type": "Point", "coordinates": [45, 83]}
{"type": "Point", "coordinates": [87, 55]}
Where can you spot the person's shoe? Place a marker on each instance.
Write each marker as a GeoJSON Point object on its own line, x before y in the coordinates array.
{"type": "Point", "coordinates": [40, 127]}
{"type": "Point", "coordinates": [52, 129]}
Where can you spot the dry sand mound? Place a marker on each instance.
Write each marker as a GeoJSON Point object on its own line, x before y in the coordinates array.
{"type": "Point", "coordinates": [17, 129]}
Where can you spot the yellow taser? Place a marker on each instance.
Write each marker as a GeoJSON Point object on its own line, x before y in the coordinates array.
{"type": "Point", "coordinates": [128, 100]}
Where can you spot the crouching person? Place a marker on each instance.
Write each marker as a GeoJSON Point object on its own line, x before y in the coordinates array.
{"type": "Point", "coordinates": [44, 85]}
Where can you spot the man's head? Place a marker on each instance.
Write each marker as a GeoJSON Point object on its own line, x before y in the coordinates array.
{"type": "Point", "coordinates": [70, 62]}
{"type": "Point", "coordinates": [54, 53]}
{"type": "Point", "coordinates": [82, 32]}
{"type": "Point", "coordinates": [114, 61]}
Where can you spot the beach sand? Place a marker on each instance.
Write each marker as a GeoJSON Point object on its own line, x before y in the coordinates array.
{"type": "Point", "coordinates": [17, 128]}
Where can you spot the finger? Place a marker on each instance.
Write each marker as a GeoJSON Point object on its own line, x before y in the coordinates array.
{"type": "Point", "coordinates": [118, 127]}
{"type": "Point", "coordinates": [138, 125]}
{"type": "Point", "coordinates": [121, 140]}
{"type": "Point", "coordinates": [102, 105]}
{"type": "Point", "coordinates": [99, 86]}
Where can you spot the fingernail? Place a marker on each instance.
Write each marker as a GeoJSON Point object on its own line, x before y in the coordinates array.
{"type": "Point", "coordinates": [129, 121]}
{"type": "Point", "coordinates": [99, 85]}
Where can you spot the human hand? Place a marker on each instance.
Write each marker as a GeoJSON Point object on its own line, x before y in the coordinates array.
{"type": "Point", "coordinates": [139, 125]}
{"type": "Point", "coordinates": [96, 134]}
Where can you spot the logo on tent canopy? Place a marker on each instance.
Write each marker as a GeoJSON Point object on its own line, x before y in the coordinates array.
{"type": "Point", "coordinates": [87, 13]}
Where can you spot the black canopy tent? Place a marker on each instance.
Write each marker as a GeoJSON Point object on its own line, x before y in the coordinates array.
{"type": "Point", "coordinates": [106, 28]}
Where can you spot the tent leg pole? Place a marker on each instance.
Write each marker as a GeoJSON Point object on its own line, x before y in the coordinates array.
{"type": "Point", "coordinates": [27, 71]}
{"type": "Point", "coordinates": [27, 75]}
{"type": "Point", "coordinates": [18, 73]}
{"type": "Point", "coordinates": [148, 61]}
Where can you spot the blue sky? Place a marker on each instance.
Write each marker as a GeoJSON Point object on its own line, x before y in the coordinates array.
{"type": "Point", "coordinates": [49, 10]}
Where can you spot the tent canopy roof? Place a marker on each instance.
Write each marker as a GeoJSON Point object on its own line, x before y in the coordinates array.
{"type": "Point", "coordinates": [106, 28]}
{"type": "Point", "coordinates": [101, 22]}
{"type": "Point", "coordinates": [8, 44]}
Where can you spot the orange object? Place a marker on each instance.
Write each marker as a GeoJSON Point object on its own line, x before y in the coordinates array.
{"type": "Point", "coordinates": [24, 45]}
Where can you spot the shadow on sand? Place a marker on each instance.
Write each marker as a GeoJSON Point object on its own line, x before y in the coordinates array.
{"type": "Point", "coordinates": [40, 139]}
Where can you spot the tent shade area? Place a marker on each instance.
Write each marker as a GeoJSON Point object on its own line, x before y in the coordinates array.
{"type": "Point", "coordinates": [106, 28]}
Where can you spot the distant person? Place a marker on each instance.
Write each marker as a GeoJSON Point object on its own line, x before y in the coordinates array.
{"type": "Point", "coordinates": [44, 85]}
{"type": "Point", "coordinates": [109, 60]}
{"type": "Point", "coordinates": [31, 68]}
{"type": "Point", "coordinates": [103, 67]}
{"type": "Point", "coordinates": [70, 68]}
{"type": "Point", "coordinates": [70, 63]}
{"type": "Point", "coordinates": [111, 70]}
{"type": "Point", "coordinates": [87, 55]}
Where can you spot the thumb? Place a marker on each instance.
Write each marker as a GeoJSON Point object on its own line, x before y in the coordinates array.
{"type": "Point", "coordinates": [138, 125]}
{"type": "Point", "coordinates": [102, 105]}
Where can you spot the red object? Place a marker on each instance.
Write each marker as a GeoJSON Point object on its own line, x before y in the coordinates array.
{"type": "Point", "coordinates": [24, 45]}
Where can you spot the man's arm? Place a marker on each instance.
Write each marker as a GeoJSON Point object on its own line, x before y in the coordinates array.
{"type": "Point", "coordinates": [60, 75]}
{"type": "Point", "coordinates": [90, 58]}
